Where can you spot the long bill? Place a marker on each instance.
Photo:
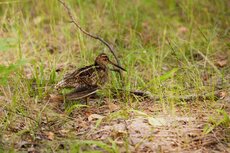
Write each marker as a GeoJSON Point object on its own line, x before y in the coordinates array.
{"type": "Point", "coordinates": [117, 66]}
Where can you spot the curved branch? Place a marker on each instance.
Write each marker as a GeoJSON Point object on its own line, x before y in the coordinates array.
{"type": "Point", "coordinates": [89, 34]}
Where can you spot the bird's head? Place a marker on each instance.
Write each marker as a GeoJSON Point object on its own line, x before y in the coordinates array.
{"type": "Point", "coordinates": [103, 60]}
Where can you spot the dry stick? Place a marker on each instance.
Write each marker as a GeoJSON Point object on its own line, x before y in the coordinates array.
{"type": "Point", "coordinates": [182, 98]}
{"type": "Point", "coordinates": [89, 34]}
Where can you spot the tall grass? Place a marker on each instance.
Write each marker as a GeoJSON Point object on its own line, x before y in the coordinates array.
{"type": "Point", "coordinates": [156, 41]}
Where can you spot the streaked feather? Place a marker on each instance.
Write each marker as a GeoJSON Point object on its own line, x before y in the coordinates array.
{"type": "Point", "coordinates": [89, 76]}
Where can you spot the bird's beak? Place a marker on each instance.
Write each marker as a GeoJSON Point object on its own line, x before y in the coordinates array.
{"type": "Point", "coordinates": [116, 66]}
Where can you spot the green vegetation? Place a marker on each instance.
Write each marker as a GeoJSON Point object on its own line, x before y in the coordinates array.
{"type": "Point", "coordinates": [178, 51]}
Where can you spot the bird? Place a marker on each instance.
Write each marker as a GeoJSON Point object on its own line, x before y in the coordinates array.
{"type": "Point", "coordinates": [90, 77]}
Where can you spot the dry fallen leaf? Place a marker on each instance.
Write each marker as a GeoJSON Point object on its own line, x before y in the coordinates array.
{"type": "Point", "coordinates": [222, 94]}
{"type": "Point", "coordinates": [55, 98]}
{"type": "Point", "coordinates": [157, 121]}
{"type": "Point", "coordinates": [3, 98]}
{"type": "Point", "coordinates": [151, 109]}
{"type": "Point", "coordinates": [49, 135]}
{"type": "Point", "coordinates": [222, 63]}
{"type": "Point", "coordinates": [95, 116]}
{"type": "Point", "coordinates": [63, 131]}
{"type": "Point", "coordinates": [37, 20]}
{"type": "Point", "coordinates": [112, 107]}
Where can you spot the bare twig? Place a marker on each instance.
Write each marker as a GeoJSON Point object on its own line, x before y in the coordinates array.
{"type": "Point", "coordinates": [89, 34]}
{"type": "Point", "coordinates": [190, 97]}
{"type": "Point", "coordinates": [136, 93]}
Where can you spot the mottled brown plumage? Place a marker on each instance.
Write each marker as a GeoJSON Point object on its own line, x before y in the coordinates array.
{"type": "Point", "coordinates": [92, 76]}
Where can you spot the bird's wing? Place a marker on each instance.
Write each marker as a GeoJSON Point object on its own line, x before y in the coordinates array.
{"type": "Point", "coordinates": [79, 78]}
{"type": "Point", "coordinates": [89, 76]}
{"type": "Point", "coordinates": [75, 74]}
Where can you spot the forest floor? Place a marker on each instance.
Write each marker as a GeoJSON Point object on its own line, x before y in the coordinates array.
{"type": "Point", "coordinates": [176, 52]}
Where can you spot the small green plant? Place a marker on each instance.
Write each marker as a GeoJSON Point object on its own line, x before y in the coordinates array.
{"type": "Point", "coordinates": [222, 119]}
{"type": "Point", "coordinates": [71, 108]}
{"type": "Point", "coordinates": [5, 71]}
{"type": "Point", "coordinates": [7, 44]}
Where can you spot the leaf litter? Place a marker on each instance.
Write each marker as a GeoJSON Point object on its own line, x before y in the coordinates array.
{"type": "Point", "coordinates": [142, 129]}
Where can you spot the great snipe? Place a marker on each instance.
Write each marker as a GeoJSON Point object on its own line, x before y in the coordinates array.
{"type": "Point", "coordinates": [90, 77]}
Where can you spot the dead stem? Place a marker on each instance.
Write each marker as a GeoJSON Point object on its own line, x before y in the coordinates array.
{"type": "Point", "coordinates": [91, 35]}
{"type": "Point", "coordinates": [147, 94]}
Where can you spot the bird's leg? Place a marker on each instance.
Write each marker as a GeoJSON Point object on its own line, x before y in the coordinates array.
{"type": "Point", "coordinates": [94, 96]}
{"type": "Point", "coordinates": [86, 100]}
